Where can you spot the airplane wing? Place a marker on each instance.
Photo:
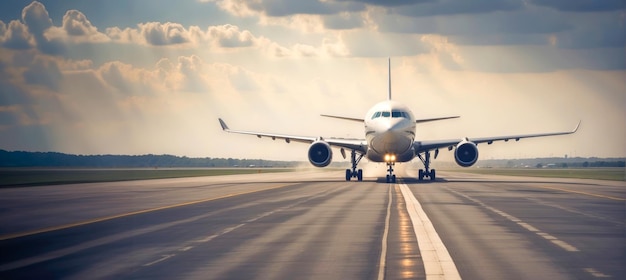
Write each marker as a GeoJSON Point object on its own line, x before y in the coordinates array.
{"type": "Point", "coordinates": [423, 146]}
{"type": "Point", "coordinates": [358, 145]}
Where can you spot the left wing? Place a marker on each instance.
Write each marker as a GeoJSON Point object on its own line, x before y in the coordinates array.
{"type": "Point", "coordinates": [423, 146]}
{"type": "Point", "coordinates": [358, 145]}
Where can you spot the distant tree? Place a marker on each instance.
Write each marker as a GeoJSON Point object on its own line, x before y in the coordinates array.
{"type": "Point", "coordinates": [585, 164]}
{"type": "Point", "coordinates": [564, 164]}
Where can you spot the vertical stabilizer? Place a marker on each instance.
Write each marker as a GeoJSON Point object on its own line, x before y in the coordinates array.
{"type": "Point", "coordinates": [389, 77]}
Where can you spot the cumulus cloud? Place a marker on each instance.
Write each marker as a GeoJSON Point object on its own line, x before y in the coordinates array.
{"type": "Point", "coordinates": [75, 28]}
{"type": "Point", "coordinates": [76, 23]}
{"type": "Point", "coordinates": [229, 36]}
{"type": "Point", "coordinates": [174, 34]}
{"type": "Point", "coordinates": [36, 17]}
{"type": "Point", "coordinates": [159, 34]}
{"type": "Point", "coordinates": [15, 36]}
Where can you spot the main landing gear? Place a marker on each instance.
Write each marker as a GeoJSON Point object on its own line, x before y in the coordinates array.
{"type": "Point", "coordinates": [426, 172]}
{"type": "Point", "coordinates": [391, 178]}
{"type": "Point", "coordinates": [354, 173]}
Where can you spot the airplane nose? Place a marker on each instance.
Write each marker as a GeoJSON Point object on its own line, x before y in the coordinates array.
{"type": "Point", "coordinates": [395, 125]}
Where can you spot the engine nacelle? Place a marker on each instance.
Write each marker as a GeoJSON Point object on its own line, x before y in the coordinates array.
{"type": "Point", "coordinates": [320, 154]}
{"type": "Point", "coordinates": [466, 153]}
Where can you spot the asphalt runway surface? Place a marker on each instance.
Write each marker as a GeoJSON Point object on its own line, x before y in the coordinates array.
{"type": "Point", "coordinates": [314, 225]}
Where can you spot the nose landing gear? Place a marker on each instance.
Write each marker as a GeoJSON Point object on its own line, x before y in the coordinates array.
{"type": "Point", "coordinates": [391, 178]}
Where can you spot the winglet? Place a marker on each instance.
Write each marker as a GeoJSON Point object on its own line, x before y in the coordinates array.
{"type": "Point", "coordinates": [577, 126]}
{"type": "Point", "coordinates": [223, 124]}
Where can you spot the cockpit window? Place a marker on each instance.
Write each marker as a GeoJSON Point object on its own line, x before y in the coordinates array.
{"type": "Point", "coordinates": [393, 114]}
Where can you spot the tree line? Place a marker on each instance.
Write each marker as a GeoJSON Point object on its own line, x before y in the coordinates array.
{"type": "Point", "coordinates": [54, 159]}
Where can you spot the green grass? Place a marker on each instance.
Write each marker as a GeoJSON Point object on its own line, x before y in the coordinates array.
{"type": "Point", "coordinates": [38, 177]}
{"type": "Point", "coordinates": [614, 174]}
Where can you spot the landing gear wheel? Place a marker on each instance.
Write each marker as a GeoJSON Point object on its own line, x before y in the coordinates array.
{"type": "Point", "coordinates": [391, 178]}
{"type": "Point", "coordinates": [354, 173]}
{"type": "Point", "coordinates": [426, 172]}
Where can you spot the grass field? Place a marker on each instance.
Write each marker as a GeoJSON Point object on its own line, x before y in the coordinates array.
{"type": "Point", "coordinates": [38, 177]}
{"type": "Point", "coordinates": [614, 174]}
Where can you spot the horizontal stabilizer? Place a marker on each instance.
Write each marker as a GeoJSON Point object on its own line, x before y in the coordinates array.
{"type": "Point", "coordinates": [344, 118]}
{"type": "Point", "coordinates": [435, 119]}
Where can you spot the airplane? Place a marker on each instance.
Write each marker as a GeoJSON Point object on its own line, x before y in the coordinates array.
{"type": "Point", "coordinates": [390, 138]}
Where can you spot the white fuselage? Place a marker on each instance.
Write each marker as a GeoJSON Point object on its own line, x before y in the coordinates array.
{"type": "Point", "coordinates": [390, 132]}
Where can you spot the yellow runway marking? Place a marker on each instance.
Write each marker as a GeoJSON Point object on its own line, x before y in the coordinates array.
{"type": "Point", "coordinates": [96, 220]}
{"type": "Point", "coordinates": [583, 193]}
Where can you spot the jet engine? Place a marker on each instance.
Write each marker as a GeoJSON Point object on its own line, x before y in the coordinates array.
{"type": "Point", "coordinates": [466, 153]}
{"type": "Point", "coordinates": [320, 154]}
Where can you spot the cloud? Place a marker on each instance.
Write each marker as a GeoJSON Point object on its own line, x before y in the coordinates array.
{"type": "Point", "coordinates": [160, 34]}
{"type": "Point", "coordinates": [524, 21]}
{"type": "Point", "coordinates": [282, 8]}
{"type": "Point", "coordinates": [45, 72]}
{"type": "Point", "coordinates": [16, 36]}
{"type": "Point", "coordinates": [456, 7]}
{"type": "Point", "coordinates": [173, 34]}
{"type": "Point", "coordinates": [76, 23]}
{"type": "Point", "coordinates": [389, 3]}
{"type": "Point", "coordinates": [582, 5]}
{"type": "Point", "coordinates": [608, 31]}
{"type": "Point", "coordinates": [229, 36]}
{"type": "Point", "coordinates": [76, 28]}
{"type": "Point", "coordinates": [36, 17]}
{"type": "Point", "coordinates": [343, 20]}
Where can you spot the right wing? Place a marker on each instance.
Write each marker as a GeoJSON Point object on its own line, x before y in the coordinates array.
{"type": "Point", "coordinates": [423, 146]}
{"type": "Point", "coordinates": [358, 145]}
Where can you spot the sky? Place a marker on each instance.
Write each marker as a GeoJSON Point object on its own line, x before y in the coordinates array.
{"type": "Point", "coordinates": [152, 77]}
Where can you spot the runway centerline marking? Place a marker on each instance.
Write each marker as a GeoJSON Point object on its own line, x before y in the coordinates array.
{"type": "Point", "coordinates": [438, 263]}
{"type": "Point", "coordinates": [112, 217]}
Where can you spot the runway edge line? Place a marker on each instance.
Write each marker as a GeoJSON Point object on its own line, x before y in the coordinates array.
{"type": "Point", "coordinates": [438, 263]}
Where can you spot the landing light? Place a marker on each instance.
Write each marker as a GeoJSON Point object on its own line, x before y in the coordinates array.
{"type": "Point", "coordinates": [390, 158]}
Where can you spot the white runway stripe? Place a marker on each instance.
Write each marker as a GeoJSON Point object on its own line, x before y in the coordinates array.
{"type": "Point", "coordinates": [437, 261]}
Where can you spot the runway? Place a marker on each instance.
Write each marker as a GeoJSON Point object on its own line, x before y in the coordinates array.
{"type": "Point", "coordinates": [314, 225]}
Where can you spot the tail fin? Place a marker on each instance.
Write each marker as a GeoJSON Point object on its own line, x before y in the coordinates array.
{"type": "Point", "coordinates": [389, 77]}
